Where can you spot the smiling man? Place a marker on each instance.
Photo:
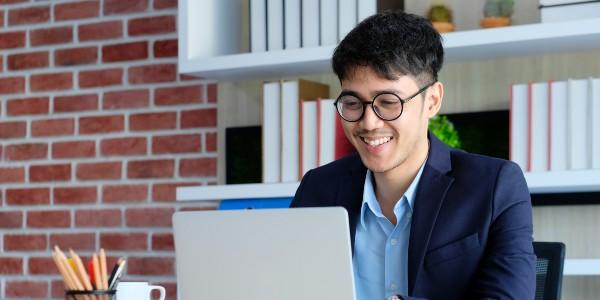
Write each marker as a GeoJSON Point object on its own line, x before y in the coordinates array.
{"type": "Point", "coordinates": [426, 221]}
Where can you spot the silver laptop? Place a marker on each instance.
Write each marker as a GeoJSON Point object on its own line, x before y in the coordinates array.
{"type": "Point", "coordinates": [271, 254]}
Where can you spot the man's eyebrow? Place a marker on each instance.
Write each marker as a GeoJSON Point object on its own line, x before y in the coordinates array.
{"type": "Point", "coordinates": [373, 93]}
{"type": "Point", "coordinates": [350, 93]}
{"type": "Point", "coordinates": [389, 91]}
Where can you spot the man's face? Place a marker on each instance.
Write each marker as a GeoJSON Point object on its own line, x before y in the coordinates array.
{"type": "Point", "coordinates": [384, 145]}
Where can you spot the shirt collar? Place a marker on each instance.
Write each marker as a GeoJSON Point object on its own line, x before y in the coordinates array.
{"type": "Point", "coordinates": [370, 199]}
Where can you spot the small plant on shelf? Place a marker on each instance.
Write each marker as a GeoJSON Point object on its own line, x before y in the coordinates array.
{"type": "Point", "coordinates": [497, 13]}
{"type": "Point", "coordinates": [444, 130]}
{"type": "Point", "coordinates": [441, 18]}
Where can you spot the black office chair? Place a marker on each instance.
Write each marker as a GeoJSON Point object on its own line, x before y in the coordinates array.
{"type": "Point", "coordinates": [548, 269]}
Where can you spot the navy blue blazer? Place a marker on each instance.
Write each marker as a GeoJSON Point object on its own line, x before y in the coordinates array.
{"type": "Point", "coordinates": [471, 234]}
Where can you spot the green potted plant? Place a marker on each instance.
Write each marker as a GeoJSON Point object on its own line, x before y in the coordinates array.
{"type": "Point", "coordinates": [444, 130]}
{"type": "Point", "coordinates": [497, 13]}
{"type": "Point", "coordinates": [441, 18]}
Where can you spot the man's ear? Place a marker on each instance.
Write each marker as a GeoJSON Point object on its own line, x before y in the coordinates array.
{"type": "Point", "coordinates": [433, 102]}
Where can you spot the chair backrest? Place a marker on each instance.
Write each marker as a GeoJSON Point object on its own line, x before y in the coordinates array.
{"type": "Point", "coordinates": [548, 269]}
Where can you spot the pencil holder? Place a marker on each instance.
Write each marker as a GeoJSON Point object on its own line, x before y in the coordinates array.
{"type": "Point", "coordinates": [91, 295]}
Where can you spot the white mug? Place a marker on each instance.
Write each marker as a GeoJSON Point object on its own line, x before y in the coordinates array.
{"type": "Point", "coordinates": [137, 291]}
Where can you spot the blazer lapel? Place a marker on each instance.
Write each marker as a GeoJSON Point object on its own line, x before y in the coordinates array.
{"type": "Point", "coordinates": [431, 192]}
{"type": "Point", "coordinates": [350, 194]}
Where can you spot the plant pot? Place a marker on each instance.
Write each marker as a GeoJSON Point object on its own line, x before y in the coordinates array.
{"type": "Point", "coordinates": [442, 27]}
{"type": "Point", "coordinates": [491, 22]}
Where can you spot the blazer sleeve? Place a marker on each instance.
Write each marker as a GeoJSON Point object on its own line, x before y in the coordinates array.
{"type": "Point", "coordinates": [507, 270]}
{"type": "Point", "coordinates": [300, 196]}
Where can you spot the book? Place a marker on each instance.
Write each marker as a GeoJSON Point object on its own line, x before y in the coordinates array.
{"type": "Point", "coordinates": [326, 115]}
{"type": "Point", "coordinates": [328, 22]}
{"type": "Point", "coordinates": [292, 9]}
{"type": "Point", "coordinates": [346, 18]}
{"type": "Point", "coordinates": [310, 23]}
{"type": "Point", "coordinates": [258, 25]}
{"type": "Point", "coordinates": [366, 8]}
{"type": "Point", "coordinates": [308, 147]}
{"type": "Point", "coordinates": [539, 127]}
{"type": "Point", "coordinates": [577, 124]}
{"type": "Point", "coordinates": [558, 126]}
{"type": "Point", "coordinates": [274, 25]}
{"type": "Point", "coordinates": [595, 121]}
{"type": "Point", "coordinates": [255, 203]}
{"type": "Point", "coordinates": [518, 126]}
{"type": "Point", "coordinates": [271, 124]}
{"type": "Point", "coordinates": [293, 93]}
{"type": "Point", "coordinates": [332, 143]}
{"type": "Point", "coordinates": [343, 147]}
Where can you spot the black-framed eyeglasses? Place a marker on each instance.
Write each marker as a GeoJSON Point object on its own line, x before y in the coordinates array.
{"type": "Point", "coordinates": [387, 106]}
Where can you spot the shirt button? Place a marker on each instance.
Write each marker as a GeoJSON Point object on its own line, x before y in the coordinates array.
{"type": "Point", "coordinates": [394, 242]}
{"type": "Point", "coordinates": [409, 214]}
{"type": "Point", "coordinates": [393, 286]}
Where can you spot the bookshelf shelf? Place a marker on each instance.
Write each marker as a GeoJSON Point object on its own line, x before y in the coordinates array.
{"type": "Point", "coordinates": [228, 62]}
{"type": "Point", "coordinates": [539, 183]}
{"type": "Point", "coordinates": [581, 267]}
{"type": "Point", "coordinates": [563, 181]}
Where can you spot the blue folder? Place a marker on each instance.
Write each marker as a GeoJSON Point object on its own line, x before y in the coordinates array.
{"type": "Point", "coordinates": [257, 203]}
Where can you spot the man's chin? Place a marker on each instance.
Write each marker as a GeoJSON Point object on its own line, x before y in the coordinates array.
{"type": "Point", "coordinates": [377, 166]}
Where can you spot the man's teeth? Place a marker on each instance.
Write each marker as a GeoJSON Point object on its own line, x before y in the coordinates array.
{"type": "Point", "coordinates": [377, 142]}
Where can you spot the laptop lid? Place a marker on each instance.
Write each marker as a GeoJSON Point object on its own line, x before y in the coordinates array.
{"type": "Point", "coordinates": [292, 254]}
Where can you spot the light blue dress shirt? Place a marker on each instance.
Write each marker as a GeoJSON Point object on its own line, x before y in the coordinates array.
{"type": "Point", "coordinates": [380, 258]}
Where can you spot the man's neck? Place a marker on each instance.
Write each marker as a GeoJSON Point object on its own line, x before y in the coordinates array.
{"type": "Point", "coordinates": [390, 186]}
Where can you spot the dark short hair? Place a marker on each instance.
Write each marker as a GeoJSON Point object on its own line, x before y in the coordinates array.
{"type": "Point", "coordinates": [393, 44]}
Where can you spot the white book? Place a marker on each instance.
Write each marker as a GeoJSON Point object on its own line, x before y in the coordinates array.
{"type": "Point", "coordinates": [292, 24]}
{"type": "Point", "coordinates": [327, 131]}
{"type": "Point", "coordinates": [309, 135]}
{"type": "Point", "coordinates": [258, 25]}
{"type": "Point", "coordinates": [366, 8]}
{"type": "Point", "coordinates": [595, 121]}
{"type": "Point", "coordinates": [310, 23]}
{"type": "Point", "coordinates": [558, 126]}
{"type": "Point", "coordinates": [539, 127]}
{"type": "Point", "coordinates": [578, 151]}
{"type": "Point", "coordinates": [274, 25]}
{"type": "Point", "coordinates": [329, 23]}
{"type": "Point", "coordinates": [346, 17]}
{"type": "Point", "coordinates": [519, 128]}
{"type": "Point", "coordinates": [271, 133]}
{"type": "Point", "coordinates": [290, 132]}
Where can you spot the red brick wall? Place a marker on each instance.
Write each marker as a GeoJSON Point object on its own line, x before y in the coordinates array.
{"type": "Point", "coordinates": [97, 128]}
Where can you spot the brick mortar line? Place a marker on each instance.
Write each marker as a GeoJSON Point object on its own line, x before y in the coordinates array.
{"type": "Point", "coordinates": [108, 206]}
{"type": "Point", "coordinates": [73, 92]}
{"type": "Point", "coordinates": [150, 38]}
{"type": "Point", "coordinates": [100, 159]}
{"type": "Point", "coordinates": [125, 17]}
{"type": "Point", "coordinates": [125, 253]}
{"type": "Point", "coordinates": [107, 113]}
{"type": "Point", "coordinates": [108, 89]}
{"type": "Point", "coordinates": [202, 181]}
{"type": "Point", "coordinates": [95, 232]}
{"type": "Point", "coordinates": [75, 70]}
{"type": "Point", "coordinates": [118, 88]}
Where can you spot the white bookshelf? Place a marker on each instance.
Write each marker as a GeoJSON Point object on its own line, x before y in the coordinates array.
{"type": "Point", "coordinates": [207, 54]}
{"type": "Point", "coordinates": [563, 181]}
{"type": "Point", "coordinates": [581, 267]}
{"type": "Point", "coordinates": [539, 183]}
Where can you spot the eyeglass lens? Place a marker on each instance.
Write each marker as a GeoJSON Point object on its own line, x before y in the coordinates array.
{"type": "Point", "coordinates": [386, 106]}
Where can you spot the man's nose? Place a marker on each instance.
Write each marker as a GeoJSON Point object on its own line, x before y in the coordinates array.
{"type": "Point", "coordinates": [370, 120]}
